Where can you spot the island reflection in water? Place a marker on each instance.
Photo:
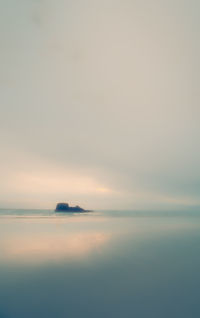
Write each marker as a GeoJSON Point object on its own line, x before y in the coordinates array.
{"type": "Point", "coordinates": [99, 265]}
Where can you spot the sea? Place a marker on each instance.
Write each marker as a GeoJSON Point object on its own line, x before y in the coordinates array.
{"type": "Point", "coordinates": [103, 264]}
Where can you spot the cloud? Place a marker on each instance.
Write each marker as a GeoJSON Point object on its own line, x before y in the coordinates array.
{"type": "Point", "coordinates": [106, 92]}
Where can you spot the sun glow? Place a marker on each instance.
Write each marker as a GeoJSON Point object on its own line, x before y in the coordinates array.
{"type": "Point", "coordinates": [103, 190]}
{"type": "Point", "coordinates": [58, 182]}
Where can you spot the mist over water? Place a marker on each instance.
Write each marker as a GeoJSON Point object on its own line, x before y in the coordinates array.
{"type": "Point", "coordinates": [102, 264]}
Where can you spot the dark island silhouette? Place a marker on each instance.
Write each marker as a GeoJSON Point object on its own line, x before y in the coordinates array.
{"type": "Point", "coordinates": [64, 207]}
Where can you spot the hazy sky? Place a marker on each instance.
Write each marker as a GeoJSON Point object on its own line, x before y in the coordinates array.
{"type": "Point", "coordinates": [99, 103]}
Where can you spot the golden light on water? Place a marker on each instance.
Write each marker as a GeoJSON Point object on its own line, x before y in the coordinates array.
{"type": "Point", "coordinates": [42, 248]}
{"type": "Point", "coordinates": [61, 244]}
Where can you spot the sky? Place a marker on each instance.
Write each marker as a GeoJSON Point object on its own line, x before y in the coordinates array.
{"type": "Point", "coordinates": [99, 103]}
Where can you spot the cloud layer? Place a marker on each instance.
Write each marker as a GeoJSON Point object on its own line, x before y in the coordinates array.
{"type": "Point", "coordinates": [100, 95]}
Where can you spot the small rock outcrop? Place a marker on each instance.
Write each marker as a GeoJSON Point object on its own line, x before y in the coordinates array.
{"type": "Point", "coordinates": [64, 207]}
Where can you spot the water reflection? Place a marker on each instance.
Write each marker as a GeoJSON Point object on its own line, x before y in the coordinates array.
{"type": "Point", "coordinates": [40, 248]}
{"type": "Point", "coordinates": [38, 240]}
{"type": "Point", "coordinates": [98, 266]}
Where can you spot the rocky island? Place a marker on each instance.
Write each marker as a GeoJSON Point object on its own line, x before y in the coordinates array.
{"type": "Point", "coordinates": [64, 207]}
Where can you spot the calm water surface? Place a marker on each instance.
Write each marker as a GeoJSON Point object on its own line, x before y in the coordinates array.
{"type": "Point", "coordinates": [102, 264]}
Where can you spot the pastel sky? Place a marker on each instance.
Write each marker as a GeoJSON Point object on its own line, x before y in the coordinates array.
{"type": "Point", "coordinates": [99, 103]}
